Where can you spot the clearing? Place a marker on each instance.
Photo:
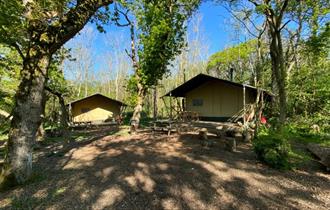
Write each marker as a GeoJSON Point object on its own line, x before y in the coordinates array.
{"type": "Point", "coordinates": [107, 170]}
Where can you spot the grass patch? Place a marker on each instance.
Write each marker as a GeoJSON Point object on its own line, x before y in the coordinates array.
{"type": "Point", "coordinates": [287, 146]}
{"type": "Point", "coordinates": [272, 149]}
{"type": "Point", "coordinates": [298, 157]}
{"type": "Point", "coordinates": [299, 135]}
{"type": "Point", "coordinates": [322, 139]}
{"type": "Point", "coordinates": [123, 131]}
{"type": "Point", "coordinates": [79, 136]}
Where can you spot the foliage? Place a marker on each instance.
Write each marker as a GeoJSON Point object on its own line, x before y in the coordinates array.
{"type": "Point", "coordinates": [298, 130]}
{"type": "Point", "coordinates": [9, 77]}
{"type": "Point", "coordinates": [273, 149]}
{"type": "Point", "coordinates": [319, 45]}
{"type": "Point", "coordinates": [309, 87]}
{"type": "Point", "coordinates": [56, 80]}
{"type": "Point", "coordinates": [161, 27]}
{"type": "Point", "coordinates": [238, 58]}
{"type": "Point", "coordinates": [274, 146]}
{"type": "Point", "coordinates": [226, 58]}
{"type": "Point", "coordinates": [132, 87]}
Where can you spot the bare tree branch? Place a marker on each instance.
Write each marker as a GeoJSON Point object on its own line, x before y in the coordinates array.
{"type": "Point", "coordinates": [284, 24]}
{"type": "Point", "coordinates": [73, 21]}
{"type": "Point", "coordinates": [242, 22]}
{"type": "Point", "coordinates": [284, 6]}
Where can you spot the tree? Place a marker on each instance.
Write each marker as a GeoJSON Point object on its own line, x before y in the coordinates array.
{"type": "Point", "coordinates": [81, 63]}
{"type": "Point", "coordinates": [234, 60]}
{"type": "Point", "coordinates": [160, 37]}
{"type": "Point", "coordinates": [58, 86]}
{"type": "Point", "coordinates": [309, 89]}
{"type": "Point", "coordinates": [36, 29]}
{"type": "Point", "coordinates": [9, 77]}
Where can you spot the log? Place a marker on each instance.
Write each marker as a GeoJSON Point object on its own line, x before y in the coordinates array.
{"type": "Point", "coordinates": [203, 134]}
{"type": "Point", "coordinates": [323, 153]}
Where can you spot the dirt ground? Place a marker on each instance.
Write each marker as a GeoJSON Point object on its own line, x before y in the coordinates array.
{"type": "Point", "coordinates": [153, 171]}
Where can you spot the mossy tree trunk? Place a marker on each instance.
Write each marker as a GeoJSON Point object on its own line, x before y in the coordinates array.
{"type": "Point", "coordinates": [43, 40]}
{"type": "Point", "coordinates": [26, 118]}
{"type": "Point", "coordinates": [135, 120]}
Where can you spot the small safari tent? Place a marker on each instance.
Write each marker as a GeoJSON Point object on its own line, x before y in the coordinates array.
{"type": "Point", "coordinates": [95, 108]}
{"type": "Point", "coordinates": [212, 99]}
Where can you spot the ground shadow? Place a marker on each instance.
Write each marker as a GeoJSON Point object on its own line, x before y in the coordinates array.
{"type": "Point", "coordinates": [154, 171]}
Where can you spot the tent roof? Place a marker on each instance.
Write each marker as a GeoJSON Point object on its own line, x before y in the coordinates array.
{"type": "Point", "coordinates": [200, 79]}
{"type": "Point", "coordinates": [97, 94]}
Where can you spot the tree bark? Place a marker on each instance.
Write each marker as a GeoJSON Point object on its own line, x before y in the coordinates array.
{"type": "Point", "coordinates": [274, 22]}
{"type": "Point", "coordinates": [41, 131]}
{"type": "Point", "coordinates": [135, 120]}
{"type": "Point", "coordinates": [155, 104]}
{"type": "Point", "coordinates": [64, 118]}
{"type": "Point", "coordinates": [46, 39]}
{"type": "Point", "coordinates": [278, 69]}
{"type": "Point", "coordinates": [26, 120]}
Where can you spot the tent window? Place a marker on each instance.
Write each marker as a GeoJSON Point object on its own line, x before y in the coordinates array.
{"type": "Point", "coordinates": [197, 102]}
{"type": "Point", "coordinates": [84, 110]}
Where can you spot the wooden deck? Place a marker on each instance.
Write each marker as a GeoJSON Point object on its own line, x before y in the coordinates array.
{"type": "Point", "coordinates": [218, 128]}
{"type": "Point", "coordinates": [82, 125]}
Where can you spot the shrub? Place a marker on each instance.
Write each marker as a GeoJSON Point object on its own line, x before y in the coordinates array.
{"type": "Point", "coordinates": [273, 149]}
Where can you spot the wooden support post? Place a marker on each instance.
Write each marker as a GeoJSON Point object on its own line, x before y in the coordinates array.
{"type": "Point", "coordinates": [70, 113]}
{"type": "Point", "coordinates": [170, 106]}
{"type": "Point", "coordinates": [244, 106]}
{"type": "Point", "coordinates": [155, 104]}
{"type": "Point", "coordinates": [165, 105]}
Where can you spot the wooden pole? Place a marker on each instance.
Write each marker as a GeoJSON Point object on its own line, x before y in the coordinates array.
{"type": "Point", "coordinates": [170, 106]}
{"type": "Point", "coordinates": [244, 105]}
{"type": "Point", "coordinates": [155, 104]}
{"type": "Point", "coordinates": [70, 114]}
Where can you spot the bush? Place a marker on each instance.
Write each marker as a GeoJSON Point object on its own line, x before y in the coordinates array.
{"type": "Point", "coordinates": [273, 149]}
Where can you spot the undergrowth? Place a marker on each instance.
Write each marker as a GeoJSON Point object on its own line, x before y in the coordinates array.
{"type": "Point", "coordinates": [275, 146]}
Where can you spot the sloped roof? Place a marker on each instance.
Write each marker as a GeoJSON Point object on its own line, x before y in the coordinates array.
{"type": "Point", "coordinates": [200, 79]}
{"type": "Point", "coordinates": [98, 94]}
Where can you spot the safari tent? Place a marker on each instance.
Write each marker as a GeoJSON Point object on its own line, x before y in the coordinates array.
{"type": "Point", "coordinates": [214, 99]}
{"type": "Point", "coordinates": [95, 108]}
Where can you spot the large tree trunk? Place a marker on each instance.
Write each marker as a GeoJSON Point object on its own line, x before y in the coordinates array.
{"type": "Point", "coordinates": [44, 38]}
{"type": "Point", "coordinates": [278, 70]}
{"type": "Point", "coordinates": [155, 104]}
{"type": "Point", "coordinates": [64, 119]}
{"type": "Point", "coordinates": [135, 120]}
{"type": "Point", "coordinates": [26, 120]}
{"type": "Point", "coordinates": [41, 133]}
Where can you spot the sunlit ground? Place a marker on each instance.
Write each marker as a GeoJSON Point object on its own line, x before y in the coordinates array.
{"type": "Point", "coordinates": [146, 171]}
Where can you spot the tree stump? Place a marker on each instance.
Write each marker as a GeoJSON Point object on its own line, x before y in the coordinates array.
{"type": "Point", "coordinates": [221, 132]}
{"type": "Point", "coordinates": [203, 134]}
{"type": "Point", "coordinates": [247, 136]}
{"type": "Point", "coordinates": [231, 144]}
{"type": "Point", "coordinates": [238, 136]}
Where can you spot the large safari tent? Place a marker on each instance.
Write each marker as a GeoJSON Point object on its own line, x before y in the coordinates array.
{"type": "Point", "coordinates": [95, 108]}
{"type": "Point", "coordinates": [214, 99]}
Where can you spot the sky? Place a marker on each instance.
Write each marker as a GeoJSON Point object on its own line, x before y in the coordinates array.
{"type": "Point", "coordinates": [215, 27]}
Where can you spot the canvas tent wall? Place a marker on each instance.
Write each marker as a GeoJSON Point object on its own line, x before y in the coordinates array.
{"type": "Point", "coordinates": [213, 98]}
{"type": "Point", "coordinates": [95, 108]}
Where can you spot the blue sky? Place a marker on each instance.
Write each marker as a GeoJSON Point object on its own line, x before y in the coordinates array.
{"type": "Point", "coordinates": [215, 27]}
